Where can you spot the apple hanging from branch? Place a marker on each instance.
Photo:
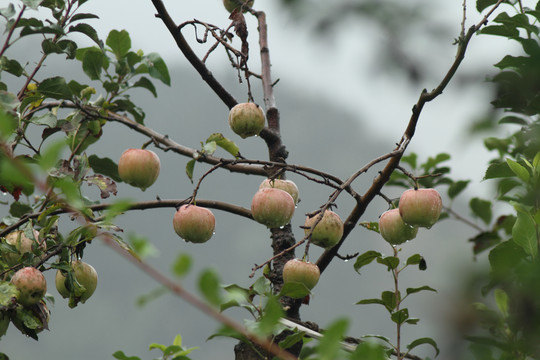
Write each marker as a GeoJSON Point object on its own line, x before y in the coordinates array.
{"type": "Point", "coordinates": [246, 119]}
{"type": "Point", "coordinates": [139, 167]}
{"type": "Point", "coordinates": [286, 185]}
{"type": "Point", "coordinates": [420, 207]}
{"type": "Point", "coordinates": [31, 284]}
{"type": "Point", "coordinates": [194, 223]}
{"type": "Point", "coordinates": [394, 230]}
{"type": "Point", "coordinates": [328, 230]}
{"type": "Point", "coordinates": [272, 207]}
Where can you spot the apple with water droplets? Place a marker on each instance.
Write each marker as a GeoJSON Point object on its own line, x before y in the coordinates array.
{"type": "Point", "coordinates": [272, 207]}
{"type": "Point", "coordinates": [393, 229]}
{"type": "Point", "coordinates": [298, 271]}
{"type": "Point", "coordinates": [420, 207]}
{"type": "Point", "coordinates": [31, 284]}
{"type": "Point", "coordinates": [84, 274]}
{"type": "Point", "coordinates": [194, 223]}
{"type": "Point", "coordinates": [286, 185]}
{"type": "Point", "coordinates": [139, 167]}
{"type": "Point", "coordinates": [246, 119]}
{"type": "Point", "coordinates": [328, 230]}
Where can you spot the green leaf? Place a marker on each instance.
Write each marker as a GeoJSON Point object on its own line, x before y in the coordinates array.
{"type": "Point", "coordinates": [418, 289]}
{"type": "Point", "coordinates": [389, 300]}
{"type": "Point", "coordinates": [19, 209]}
{"type": "Point", "coordinates": [292, 339]}
{"type": "Point", "coordinates": [370, 301]}
{"type": "Point", "coordinates": [51, 155]}
{"type": "Point", "coordinates": [422, 341]}
{"type": "Point", "coordinates": [482, 209]}
{"type": "Point", "coordinates": [410, 159]}
{"type": "Point", "coordinates": [391, 262]}
{"type": "Point", "coordinates": [520, 171]}
{"type": "Point", "coordinates": [209, 286]}
{"type": "Point", "coordinates": [121, 356]}
{"type": "Point", "coordinates": [92, 62]}
{"type": "Point", "coordinates": [272, 312]}
{"type": "Point", "coordinates": [369, 350]}
{"type": "Point", "coordinates": [210, 147]}
{"type": "Point", "coordinates": [48, 119]}
{"type": "Point", "coordinates": [498, 169]}
{"type": "Point", "coordinates": [414, 259]}
{"type": "Point", "coordinates": [262, 286]}
{"type": "Point", "coordinates": [88, 31]}
{"type": "Point", "coordinates": [145, 83]}
{"type": "Point", "coordinates": [371, 225]}
{"type": "Point", "coordinates": [501, 299]}
{"type": "Point", "coordinates": [224, 143]}
{"type": "Point", "coordinates": [504, 258]}
{"type": "Point", "coordinates": [500, 30]}
{"type": "Point", "coordinates": [330, 345]}
{"type": "Point", "coordinates": [119, 42]}
{"type": "Point", "coordinates": [11, 66]}
{"type": "Point", "coordinates": [482, 4]}
{"type": "Point", "coordinates": [157, 68]}
{"type": "Point", "coordinates": [294, 290]}
{"type": "Point", "coordinates": [190, 166]}
{"type": "Point", "coordinates": [524, 233]}
{"type": "Point", "coordinates": [457, 187]}
{"type": "Point", "coordinates": [55, 88]}
{"type": "Point", "coordinates": [104, 166]}
{"type": "Point", "coordinates": [365, 259]}
{"type": "Point", "coordinates": [182, 265]}
{"type": "Point", "coordinates": [82, 16]}
{"type": "Point", "coordinates": [152, 295]}
{"type": "Point", "coordinates": [400, 316]}
{"type": "Point", "coordinates": [142, 246]}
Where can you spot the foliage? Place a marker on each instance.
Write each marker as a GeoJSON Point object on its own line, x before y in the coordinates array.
{"type": "Point", "coordinates": [46, 176]}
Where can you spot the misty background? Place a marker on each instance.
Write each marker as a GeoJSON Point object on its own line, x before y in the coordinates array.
{"type": "Point", "coordinates": [343, 101]}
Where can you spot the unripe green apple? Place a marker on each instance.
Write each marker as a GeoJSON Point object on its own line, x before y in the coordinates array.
{"type": "Point", "coordinates": [31, 284]}
{"type": "Point", "coordinates": [230, 5]}
{"type": "Point", "coordinates": [286, 185]}
{"type": "Point", "coordinates": [272, 207]}
{"type": "Point", "coordinates": [327, 232]}
{"type": "Point", "coordinates": [139, 167]}
{"type": "Point", "coordinates": [84, 274]}
{"type": "Point", "coordinates": [393, 229]}
{"type": "Point", "coordinates": [246, 119]}
{"type": "Point", "coordinates": [420, 207]}
{"type": "Point", "coordinates": [298, 271]}
{"type": "Point", "coordinates": [23, 244]}
{"type": "Point", "coordinates": [194, 223]}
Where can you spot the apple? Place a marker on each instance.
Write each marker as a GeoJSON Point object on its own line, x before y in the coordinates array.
{"type": "Point", "coordinates": [286, 185]}
{"type": "Point", "coordinates": [23, 244]}
{"type": "Point", "coordinates": [298, 271]}
{"type": "Point", "coordinates": [246, 119]}
{"type": "Point", "coordinates": [31, 284]}
{"type": "Point", "coordinates": [139, 167]}
{"type": "Point", "coordinates": [420, 207]}
{"type": "Point", "coordinates": [327, 232]}
{"type": "Point", "coordinates": [272, 207]}
{"type": "Point", "coordinates": [84, 274]}
{"type": "Point", "coordinates": [230, 5]}
{"type": "Point", "coordinates": [194, 223]}
{"type": "Point", "coordinates": [393, 229]}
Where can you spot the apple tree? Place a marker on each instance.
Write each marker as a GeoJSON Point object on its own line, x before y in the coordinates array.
{"type": "Point", "coordinates": [49, 126]}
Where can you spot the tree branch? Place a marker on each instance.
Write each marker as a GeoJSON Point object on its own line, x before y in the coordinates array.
{"type": "Point", "coordinates": [201, 68]}
{"type": "Point", "coordinates": [383, 177]}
